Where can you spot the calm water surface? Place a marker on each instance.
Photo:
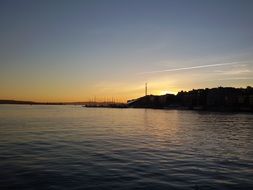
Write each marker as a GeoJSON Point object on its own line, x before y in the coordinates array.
{"type": "Point", "coordinates": [70, 147]}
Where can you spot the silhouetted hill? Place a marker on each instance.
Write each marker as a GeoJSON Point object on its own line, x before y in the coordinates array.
{"type": "Point", "coordinates": [39, 103]}
{"type": "Point", "coordinates": [15, 102]}
{"type": "Point", "coordinates": [217, 99]}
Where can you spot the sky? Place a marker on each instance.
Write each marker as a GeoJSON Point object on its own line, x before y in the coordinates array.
{"type": "Point", "coordinates": [81, 50]}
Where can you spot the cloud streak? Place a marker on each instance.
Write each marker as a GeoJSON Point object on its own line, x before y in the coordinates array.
{"type": "Point", "coordinates": [190, 68]}
{"type": "Point", "coordinates": [234, 72]}
{"type": "Point", "coordinates": [232, 79]}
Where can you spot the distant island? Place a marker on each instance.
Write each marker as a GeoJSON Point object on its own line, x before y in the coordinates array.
{"type": "Point", "coordinates": [210, 99]}
{"type": "Point", "coordinates": [214, 99]}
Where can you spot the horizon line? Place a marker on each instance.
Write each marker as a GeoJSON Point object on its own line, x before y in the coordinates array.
{"type": "Point", "coordinates": [79, 102]}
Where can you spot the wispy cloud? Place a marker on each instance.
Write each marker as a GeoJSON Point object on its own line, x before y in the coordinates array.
{"type": "Point", "coordinates": [191, 68]}
{"type": "Point", "coordinates": [234, 78]}
{"type": "Point", "coordinates": [234, 72]}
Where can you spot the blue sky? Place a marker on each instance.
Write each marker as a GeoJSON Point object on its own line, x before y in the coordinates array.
{"type": "Point", "coordinates": [75, 50]}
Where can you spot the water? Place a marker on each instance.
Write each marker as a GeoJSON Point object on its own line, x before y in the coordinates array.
{"type": "Point", "coordinates": [70, 147]}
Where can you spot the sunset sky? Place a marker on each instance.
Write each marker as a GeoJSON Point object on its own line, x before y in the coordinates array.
{"type": "Point", "coordinates": [77, 50]}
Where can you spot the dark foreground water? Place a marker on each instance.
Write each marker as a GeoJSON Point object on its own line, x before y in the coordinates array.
{"type": "Point", "coordinates": [70, 147]}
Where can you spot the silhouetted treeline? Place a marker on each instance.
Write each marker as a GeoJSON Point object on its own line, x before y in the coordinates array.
{"type": "Point", "coordinates": [218, 99]}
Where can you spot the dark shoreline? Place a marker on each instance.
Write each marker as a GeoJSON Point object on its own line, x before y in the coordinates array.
{"type": "Point", "coordinates": [175, 108]}
{"type": "Point", "coordinates": [221, 99]}
{"type": "Point", "coordinates": [126, 107]}
{"type": "Point", "coordinates": [18, 102]}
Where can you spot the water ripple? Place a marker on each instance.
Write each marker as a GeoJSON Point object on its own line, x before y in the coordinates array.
{"type": "Point", "coordinates": [67, 147]}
